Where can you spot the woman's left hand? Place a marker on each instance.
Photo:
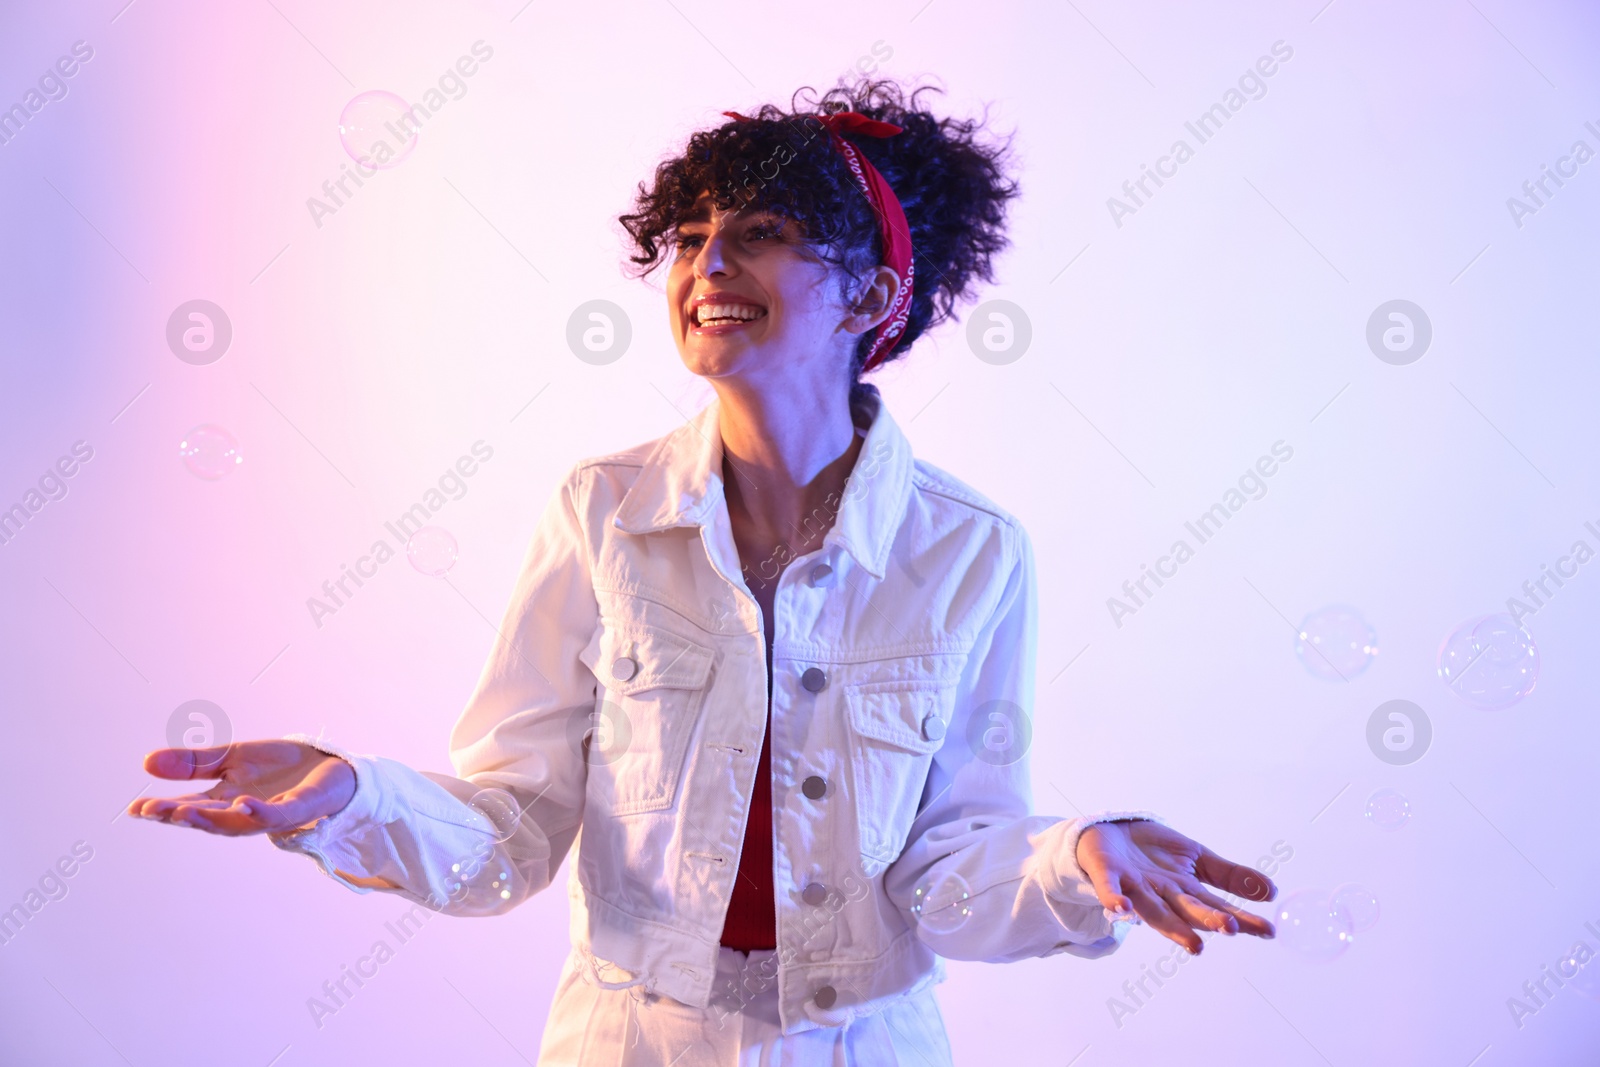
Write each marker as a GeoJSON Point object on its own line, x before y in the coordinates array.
{"type": "Point", "coordinates": [1147, 868]}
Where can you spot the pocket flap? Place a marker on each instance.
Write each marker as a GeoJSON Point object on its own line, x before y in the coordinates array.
{"type": "Point", "coordinates": [894, 712]}
{"type": "Point", "coordinates": [660, 660]}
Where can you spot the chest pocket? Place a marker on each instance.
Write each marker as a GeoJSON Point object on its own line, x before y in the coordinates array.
{"type": "Point", "coordinates": [635, 739]}
{"type": "Point", "coordinates": [895, 728]}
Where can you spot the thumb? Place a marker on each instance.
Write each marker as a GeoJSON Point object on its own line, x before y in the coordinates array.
{"type": "Point", "coordinates": [186, 763]}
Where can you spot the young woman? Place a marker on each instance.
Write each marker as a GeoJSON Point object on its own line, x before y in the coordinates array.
{"type": "Point", "coordinates": [770, 671]}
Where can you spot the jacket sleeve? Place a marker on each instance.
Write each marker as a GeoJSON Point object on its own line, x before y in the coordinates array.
{"type": "Point", "coordinates": [482, 840]}
{"type": "Point", "coordinates": [983, 877]}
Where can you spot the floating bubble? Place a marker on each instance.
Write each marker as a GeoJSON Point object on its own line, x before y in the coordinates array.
{"type": "Point", "coordinates": [1388, 809]}
{"type": "Point", "coordinates": [943, 903]}
{"type": "Point", "coordinates": [1336, 643]}
{"type": "Point", "coordinates": [376, 128]}
{"type": "Point", "coordinates": [433, 551]}
{"type": "Point", "coordinates": [1586, 980]}
{"type": "Point", "coordinates": [1314, 926]}
{"type": "Point", "coordinates": [1360, 903]}
{"type": "Point", "coordinates": [210, 452]}
{"type": "Point", "coordinates": [500, 808]}
{"type": "Point", "coordinates": [480, 878]}
{"type": "Point", "coordinates": [1490, 662]}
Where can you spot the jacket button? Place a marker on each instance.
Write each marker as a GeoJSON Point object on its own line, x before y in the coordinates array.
{"type": "Point", "coordinates": [820, 573]}
{"type": "Point", "coordinates": [813, 679]}
{"type": "Point", "coordinates": [932, 726]}
{"type": "Point", "coordinates": [623, 669]}
{"type": "Point", "coordinates": [814, 893]}
{"type": "Point", "coordinates": [814, 787]}
{"type": "Point", "coordinates": [825, 996]}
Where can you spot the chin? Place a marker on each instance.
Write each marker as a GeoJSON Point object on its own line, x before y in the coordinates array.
{"type": "Point", "coordinates": [705, 364]}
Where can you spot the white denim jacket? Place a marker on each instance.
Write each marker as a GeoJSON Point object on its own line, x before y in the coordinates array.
{"type": "Point", "coordinates": [627, 701]}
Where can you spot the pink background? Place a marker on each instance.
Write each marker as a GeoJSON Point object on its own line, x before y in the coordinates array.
{"type": "Point", "coordinates": [371, 351]}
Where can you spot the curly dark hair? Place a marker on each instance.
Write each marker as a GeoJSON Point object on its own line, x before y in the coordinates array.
{"type": "Point", "coordinates": [953, 188]}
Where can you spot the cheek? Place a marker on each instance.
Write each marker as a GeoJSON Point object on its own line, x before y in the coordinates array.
{"type": "Point", "coordinates": [800, 291]}
{"type": "Point", "coordinates": [680, 283]}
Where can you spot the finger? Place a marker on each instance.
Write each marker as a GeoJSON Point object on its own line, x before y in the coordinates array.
{"type": "Point", "coordinates": [1200, 914]}
{"type": "Point", "coordinates": [242, 816]}
{"type": "Point", "coordinates": [1154, 911]}
{"type": "Point", "coordinates": [187, 763]}
{"type": "Point", "coordinates": [1249, 922]}
{"type": "Point", "coordinates": [1108, 887]}
{"type": "Point", "coordinates": [1235, 878]}
{"type": "Point", "coordinates": [160, 807]}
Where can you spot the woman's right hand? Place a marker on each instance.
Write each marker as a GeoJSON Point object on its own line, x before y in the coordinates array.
{"type": "Point", "coordinates": [263, 787]}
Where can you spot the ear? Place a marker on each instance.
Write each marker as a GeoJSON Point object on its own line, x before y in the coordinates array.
{"type": "Point", "coordinates": [872, 306]}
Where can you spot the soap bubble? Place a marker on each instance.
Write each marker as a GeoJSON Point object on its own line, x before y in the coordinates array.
{"type": "Point", "coordinates": [1388, 809]}
{"type": "Point", "coordinates": [1587, 978]}
{"type": "Point", "coordinates": [376, 130]}
{"type": "Point", "coordinates": [432, 551]}
{"type": "Point", "coordinates": [210, 452]}
{"type": "Point", "coordinates": [481, 880]}
{"type": "Point", "coordinates": [1490, 662]}
{"type": "Point", "coordinates": [1336, 643]}
{"type": "Point", "coordinates": [1361, 905]}
{"type": "Point", "coordinates": [500, 808]}
{"type": "Point", "coordinates": [943, 903]}
{"type": "Point", "coordinates": [1314, 925]}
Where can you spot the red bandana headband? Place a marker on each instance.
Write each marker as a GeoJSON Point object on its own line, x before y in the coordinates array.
{"type": "Point", "coordinates": [892, 227]}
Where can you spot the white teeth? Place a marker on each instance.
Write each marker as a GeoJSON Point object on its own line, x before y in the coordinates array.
{"type": "Point", "coordinates": [709, 312]}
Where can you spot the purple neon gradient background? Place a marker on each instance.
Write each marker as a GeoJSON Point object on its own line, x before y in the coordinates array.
{"type": "Point", "coordinates": [430, 309]}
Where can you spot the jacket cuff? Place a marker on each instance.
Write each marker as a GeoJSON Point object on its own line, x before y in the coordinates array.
{"type": "Point", "coordinates": [1064, 880]}
{"type": "Point", "coordinates": [359, 811]}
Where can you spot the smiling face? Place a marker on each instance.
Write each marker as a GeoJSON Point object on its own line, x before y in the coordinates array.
{"type": "Point", "coordinates": [748, 296]}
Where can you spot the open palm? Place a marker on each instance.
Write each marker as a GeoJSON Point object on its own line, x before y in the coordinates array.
{"type": "Point", "coordinates": [262, 787]}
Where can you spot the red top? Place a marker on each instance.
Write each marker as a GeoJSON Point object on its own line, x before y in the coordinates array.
{"type": "Point", "coordinates": [752, 920]}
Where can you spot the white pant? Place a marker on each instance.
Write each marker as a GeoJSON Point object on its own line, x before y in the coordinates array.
{"type": "Point", "coordinates": [594, 1027]}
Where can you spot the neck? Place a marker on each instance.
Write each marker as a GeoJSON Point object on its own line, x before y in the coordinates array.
{"type": "Point", "coordinates": [784, 454]}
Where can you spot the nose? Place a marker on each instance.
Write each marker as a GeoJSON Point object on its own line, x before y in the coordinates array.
{"type": "Point", "coordinates": [713, 258]}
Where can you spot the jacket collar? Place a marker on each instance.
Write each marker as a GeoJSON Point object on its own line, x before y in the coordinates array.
{"type": "Point", "coordinates": [681, 484]}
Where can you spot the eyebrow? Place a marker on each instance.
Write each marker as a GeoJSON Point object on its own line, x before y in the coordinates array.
{"type": "Point", "coordinates": [702, 213]}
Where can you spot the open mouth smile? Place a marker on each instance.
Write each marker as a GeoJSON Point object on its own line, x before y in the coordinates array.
{"type": "Point", "coordinates": [718, 315]}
